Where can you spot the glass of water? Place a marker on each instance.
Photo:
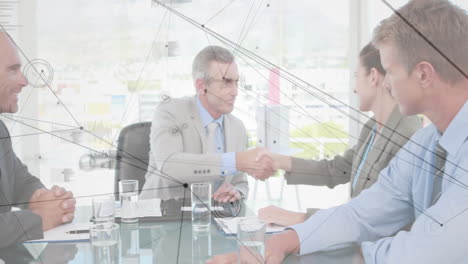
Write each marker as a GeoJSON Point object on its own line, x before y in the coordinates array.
{"type": "Point", "coordinates": [251, 234]}
{"type": "Point", "coordinates": [105, 239]}
{"type": "Point", "coordinates": [201, 206]}
{"type": "Point", "coordinates": [129, 201]}
{"type": "Point", "coordinates": [103, 209]}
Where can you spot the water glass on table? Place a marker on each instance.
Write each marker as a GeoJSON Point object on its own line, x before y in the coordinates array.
{"type": "Point", "coordinates": [105, 239]}
{"type": "Point", "coordinates": [201, 206]}
{"type": "Point", "coordinates": [103, 209]}
{"type": "Point", "coordinates": [129, 201]}
{"type": "Point", "coordinates": [251, 240]}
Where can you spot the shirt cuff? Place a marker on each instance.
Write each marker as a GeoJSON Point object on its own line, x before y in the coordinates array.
{"type": "Point", "coordinates": [315, 233]}
{"type": "Point", "coordinates": [303, 232]}
{"type": "Point", "coordinates": [228, 164]}
{"type": "Point", "coordinates": [372, 251]}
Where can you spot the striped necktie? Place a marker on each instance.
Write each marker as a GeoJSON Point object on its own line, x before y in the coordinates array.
{"type": "Point", "coordinates": [439, 164]}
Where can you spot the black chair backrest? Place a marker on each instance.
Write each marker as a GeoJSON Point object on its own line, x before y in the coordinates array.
{"type": "Point", "coordinates": [132, 154]}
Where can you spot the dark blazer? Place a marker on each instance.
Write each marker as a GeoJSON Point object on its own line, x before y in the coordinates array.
{"type": "Point", "coordinates": [16, 187]}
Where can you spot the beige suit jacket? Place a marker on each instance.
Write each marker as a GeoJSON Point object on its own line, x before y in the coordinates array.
{"type": "Point", "coordinates": [178, 146]}
{"type": "Point", "coordinates": [342, 169]}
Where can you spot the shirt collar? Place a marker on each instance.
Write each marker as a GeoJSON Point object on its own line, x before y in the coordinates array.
{"type": "Point", "coordinates": [206, 118]}
{"type": "Point", "coordinates": [457, 132]}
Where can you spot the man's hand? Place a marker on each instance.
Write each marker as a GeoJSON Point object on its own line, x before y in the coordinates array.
{"type": "Point", "coordinates": [249, 162]}
{"type": "Point", "coordinates": [228, 258]}
{"type": "Point", "coordinates": [55, 206]}
{"type": "Point", "coordinates": [277, 247]}
{"type": "Point", "coordinates": [68, 201]}
{"type": "Point", "coordinates": [276, 215]}
{"type": "Point", "coordinates": [226, 193]}
{"type": "Point", "coordinates": [279, 161]}
{"type": "Point", "coordinates": [247, 257]}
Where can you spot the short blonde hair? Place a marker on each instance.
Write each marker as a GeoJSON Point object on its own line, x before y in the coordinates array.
{"type": "Point", "coordinates": [442, 23]}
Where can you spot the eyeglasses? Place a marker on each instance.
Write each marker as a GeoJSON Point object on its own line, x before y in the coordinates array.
{"type": "Point", "coordinates": [227, 82]}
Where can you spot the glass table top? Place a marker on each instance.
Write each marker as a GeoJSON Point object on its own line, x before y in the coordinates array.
{"type": "Point", "coordinates": [171, 241]}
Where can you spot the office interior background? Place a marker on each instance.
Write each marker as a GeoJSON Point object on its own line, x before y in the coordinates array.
{"type": "Point", "coordinates": [106, 64]}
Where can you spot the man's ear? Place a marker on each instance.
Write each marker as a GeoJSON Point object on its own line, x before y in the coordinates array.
{"type": "Point", "coordinates": [425, 74]}
{"type": "Point", "coordinates": [200, 86]}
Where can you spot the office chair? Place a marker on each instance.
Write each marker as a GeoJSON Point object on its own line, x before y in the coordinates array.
{"type": "Point", "coordinates": [132, 154]}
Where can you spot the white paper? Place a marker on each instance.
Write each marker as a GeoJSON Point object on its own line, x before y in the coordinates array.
{"type": "Point", "coordinates": [229, 225]}
{"type": "Point", "coordinates": [59, 234]}
{"type": "Point", "coordinates": [213, 208]}
{"type": "Point", "coordinates": [149, 207]}
{"type": "Point", "coordinates": [146, 208]}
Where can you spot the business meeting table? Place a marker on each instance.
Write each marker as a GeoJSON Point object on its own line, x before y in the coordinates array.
{"type": "Point", "coordinates": [169, 239]}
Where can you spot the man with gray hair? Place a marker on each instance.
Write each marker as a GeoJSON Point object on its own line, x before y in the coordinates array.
{"type": "Point", "coordinates": [197, 139]}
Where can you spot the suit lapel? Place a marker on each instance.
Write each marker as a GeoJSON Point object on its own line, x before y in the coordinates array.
{"type": "Point", "coordinates": [196, 122]}
{"type": "Point", "coordinates": [5, 193]}
{"type": "Point", "coordinates": [385, 136]}
{"type": "Point", "coordinates": [361, 145]}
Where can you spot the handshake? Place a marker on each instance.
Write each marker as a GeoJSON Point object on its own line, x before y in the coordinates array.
{"type": "Point", "coordinates": [261, 163]}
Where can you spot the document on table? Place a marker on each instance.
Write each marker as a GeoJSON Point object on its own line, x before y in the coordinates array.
{"type": "Point", "coordinates": [213, 208]}
{"type": "Point", "coordinates": [60, 235]}
{"type": "Point", "coordinates": [229, 226]}
{"type": "Point", "coordinates": [146, 208]}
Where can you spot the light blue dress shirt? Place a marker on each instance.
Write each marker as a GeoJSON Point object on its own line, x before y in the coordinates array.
{"type": "Point", "coordinates": [228, 160]}
{"type": "Point", "coordinates": [401, 195]}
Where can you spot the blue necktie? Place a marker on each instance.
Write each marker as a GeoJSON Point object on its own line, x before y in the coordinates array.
{"type": "Point", "coordinates": [440, 155]}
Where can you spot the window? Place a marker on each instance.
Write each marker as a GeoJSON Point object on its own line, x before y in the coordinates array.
{"type": "Point", "coordinates": [113, 61]}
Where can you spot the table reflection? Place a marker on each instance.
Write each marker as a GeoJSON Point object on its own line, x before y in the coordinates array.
{"type": "Point", "coordinates": [201, 246]}
{"type": "Point", "coordinates": [51, 253]}
{"type": "Point", "coordinates": [169, 241]}
{"type": "Point", "coordinates": [130, 241]}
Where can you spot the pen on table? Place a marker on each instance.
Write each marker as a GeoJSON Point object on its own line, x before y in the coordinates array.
{"type": "Point", "coordinates": [83, 231]}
